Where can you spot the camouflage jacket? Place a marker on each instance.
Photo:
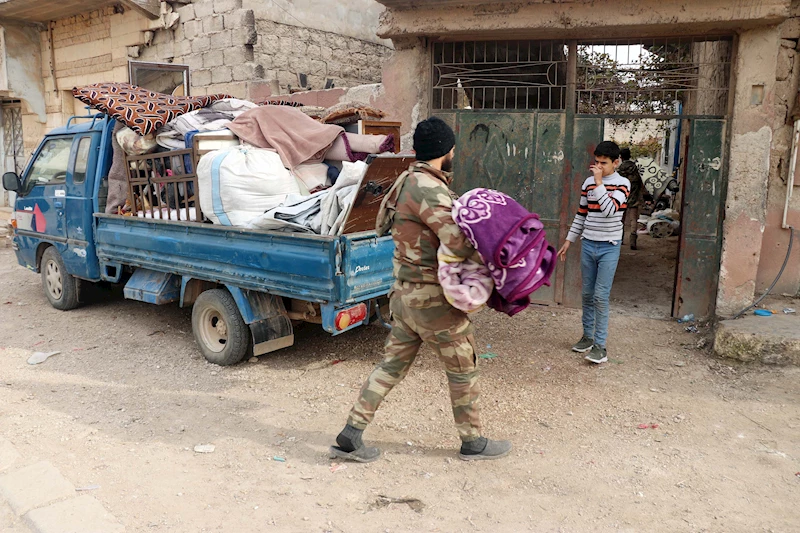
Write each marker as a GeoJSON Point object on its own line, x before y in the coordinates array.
{"type": "Point", "coordinates": [417, 210]}
{"type": "Point", "coordinates": [628, 169]}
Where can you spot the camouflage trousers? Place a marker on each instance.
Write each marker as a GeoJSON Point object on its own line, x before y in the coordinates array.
{"type": "Point", "coordinates": [420, 313]}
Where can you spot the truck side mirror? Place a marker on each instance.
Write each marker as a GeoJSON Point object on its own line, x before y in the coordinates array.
{"type": "Point", "coordinates": [11, 182]}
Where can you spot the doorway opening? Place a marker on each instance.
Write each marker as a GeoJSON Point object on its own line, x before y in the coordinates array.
{"type": "Point", "coordinates": [645, 279]}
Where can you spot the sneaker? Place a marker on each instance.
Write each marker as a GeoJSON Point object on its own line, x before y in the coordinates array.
{"type": "Point", "coordinates": [495, 449]}
{"type": "Point", "coordinates": [597, 355]}
{"type": "Point", "coordinates": [583, 345]}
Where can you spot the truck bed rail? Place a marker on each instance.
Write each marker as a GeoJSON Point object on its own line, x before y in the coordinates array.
{"type": "Point", "coordinates": [163, 185]}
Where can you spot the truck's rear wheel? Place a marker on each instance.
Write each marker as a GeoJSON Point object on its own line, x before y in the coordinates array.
{"type": "Point", "coordinates": [218, 328]}
{"type": "Point", "coordinates": [60, 287]}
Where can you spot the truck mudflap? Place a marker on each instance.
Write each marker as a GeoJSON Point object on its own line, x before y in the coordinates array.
{"type": "Point", "coordinates": [266, 316]}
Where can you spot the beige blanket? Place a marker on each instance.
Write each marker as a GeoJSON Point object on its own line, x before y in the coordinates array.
{"type": "Point", "coordinates": [296, 137]}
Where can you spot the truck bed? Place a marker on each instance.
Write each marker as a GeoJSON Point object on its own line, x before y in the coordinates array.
{"type": "Point", "coordinates": [315, 268]}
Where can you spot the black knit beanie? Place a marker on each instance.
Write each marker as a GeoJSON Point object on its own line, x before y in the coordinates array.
{"type": "Point", "coordinates": [433, 138]}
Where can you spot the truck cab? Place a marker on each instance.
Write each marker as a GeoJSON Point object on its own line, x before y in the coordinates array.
{"type": "Point", "coordinates": [56, 199]}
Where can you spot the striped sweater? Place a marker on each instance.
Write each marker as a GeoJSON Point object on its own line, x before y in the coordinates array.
{"type": "Point", "coordinates": [599, 216]}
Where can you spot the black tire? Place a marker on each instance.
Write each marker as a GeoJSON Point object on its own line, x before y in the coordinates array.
{"type": "Point", "coordinates": [60, 287]}
{"type": "Point", "coordinates": [219, 329]}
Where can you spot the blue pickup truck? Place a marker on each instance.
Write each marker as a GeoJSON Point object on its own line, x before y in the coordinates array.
{"type": "Point", "coordinates": [247, 288]}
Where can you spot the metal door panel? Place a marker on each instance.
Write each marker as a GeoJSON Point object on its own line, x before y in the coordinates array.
{"type": "Point", "coordinates": [547, 187]}
{"type": "Point", "coordinates": [587, 133]}
{"type": "Point", "coordinates": [495, 150]}
{"type": "Point", "coordinates": [701, 217]}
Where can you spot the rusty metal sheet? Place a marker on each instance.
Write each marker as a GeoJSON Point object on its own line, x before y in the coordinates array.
{"type": "Point", "coordinates": [495, 150]}
{"type": "Point", "coordinates": [587, 133]}
{"type": "Point", "coordinates": [547, 187]}
{"type": "Point", "coordinates": [700, 243]}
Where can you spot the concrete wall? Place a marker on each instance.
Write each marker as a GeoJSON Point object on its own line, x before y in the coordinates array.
{"type": "Point", "coordinates": [23, 66]}
{"type": "Point", "coordinates": [353, 18]}
{"type": "Point", "coordinates": [776, 239]}
{"type": "Point", "coordinates": [547, 19]}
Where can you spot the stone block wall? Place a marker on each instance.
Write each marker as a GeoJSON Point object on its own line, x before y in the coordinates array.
{"type": "Point", "coordinates": [228, 49]}
{"type": "Point", "coordinates": [285, 51]}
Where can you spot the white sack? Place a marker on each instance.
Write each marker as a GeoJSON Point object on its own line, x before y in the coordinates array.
{"type": "Point", "coordinates": [238, 184]}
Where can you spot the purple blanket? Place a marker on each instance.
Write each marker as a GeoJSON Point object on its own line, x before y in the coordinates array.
{"type": "Point", "coordinates": [511, 241]}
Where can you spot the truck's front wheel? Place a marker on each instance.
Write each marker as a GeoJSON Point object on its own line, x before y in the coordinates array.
{"type": "Point", "coordinates": [60, 287]}
{"type": "Point", "coordinates": [218, 328]}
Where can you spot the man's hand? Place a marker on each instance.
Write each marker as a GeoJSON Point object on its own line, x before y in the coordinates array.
{"type": "Point", "coordinates": [597, 170]}
{"type": "Point", "coordinates": [562, 252]}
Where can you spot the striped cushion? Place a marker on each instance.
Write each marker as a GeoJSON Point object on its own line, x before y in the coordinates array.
{"type": "Point", "coordinates": [141, 110]}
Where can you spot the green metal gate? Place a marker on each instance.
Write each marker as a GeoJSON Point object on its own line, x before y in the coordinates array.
{"type": "Point", "coordinates": [528, 116]}
{"type": "Point", "coordinates": [700, 245]}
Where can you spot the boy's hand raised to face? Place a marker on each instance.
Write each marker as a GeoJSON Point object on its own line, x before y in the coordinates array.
{"type": "Point", "coordinates": [597, 170]}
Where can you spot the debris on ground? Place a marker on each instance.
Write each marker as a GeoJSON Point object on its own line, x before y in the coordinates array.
{"type": "Point", "coordinates": [335, 467]}
{"type": "Point", "coordinates": [205, 448]}
{"type": "Point", "coordinates": [40, 357]}
{"type": "Point", "coordinates": [87, 487]}
{"type": "Point", "coordinates": [692, 329]}
{"type": "Point", "coordinates": [488, 355]}
{"type": "Point", "coordinates": [384, 501]}
{"type": "Point", "coordinates": [789, 311]}
{"type": "Point", "coordinates": [279, 459]}
{"type": "Point", "coordinates": [647, 426]}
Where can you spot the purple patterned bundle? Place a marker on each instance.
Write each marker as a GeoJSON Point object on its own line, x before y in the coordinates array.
{"type": "Point", "coordinates": [511, 241]}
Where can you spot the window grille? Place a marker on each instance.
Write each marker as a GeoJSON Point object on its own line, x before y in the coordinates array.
{"type": "Point", "coordinates": [687, 76]}
{"type": "Point", "coordinates": [499, 75]}
{"type": "Point", "coordinates": [657, 77]}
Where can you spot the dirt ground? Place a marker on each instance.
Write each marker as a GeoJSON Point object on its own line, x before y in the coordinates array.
{"type": "Point", "coordinates": [129, 397]}
{"type": "Point", "coordinates": [645, 279]}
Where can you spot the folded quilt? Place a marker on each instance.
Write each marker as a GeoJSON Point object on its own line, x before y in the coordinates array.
{"type": "Point", "coordinates": [511, 241]}
{"type": "Point", "coordinates": [215, 117]}
{"type": "Point", "coordinates": [296, 213]}
{"type": "Point", "coordinates": [141, 110]}
{"type": "Point", "coordinates": [467, 285]}
{"type": "Point", "coordinates": [296, 137]}
{"type": "Point", "coordinates": [341, 196]}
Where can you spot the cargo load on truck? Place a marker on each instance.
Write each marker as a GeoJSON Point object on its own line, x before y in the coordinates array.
{"type": "Point", "coordinates": [233, 162]}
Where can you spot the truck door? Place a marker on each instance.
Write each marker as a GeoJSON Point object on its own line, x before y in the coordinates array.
{"type": "Point", "coordinates": [80, 256]}
{"type": "Point", "coordinates": [54, 206]}
{"type": "Point", "coordinates": [41, 203]}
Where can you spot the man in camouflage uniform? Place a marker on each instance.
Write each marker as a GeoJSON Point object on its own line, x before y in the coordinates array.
{"type": "Point", "coordinates": [628, 169]}
{"type": "Point", "coordinates": [417, 210]}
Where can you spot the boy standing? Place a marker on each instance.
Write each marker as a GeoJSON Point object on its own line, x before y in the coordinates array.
{"type": "Point", "coordinates": [598, 223]}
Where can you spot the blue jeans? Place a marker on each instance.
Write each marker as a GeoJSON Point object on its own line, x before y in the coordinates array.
{"type": "Point", "coordinates": [598, 266]}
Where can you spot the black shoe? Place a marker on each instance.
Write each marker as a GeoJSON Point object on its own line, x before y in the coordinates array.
{"type": "Point", "coordinates": [365, 454]}
{"type": "Point", "coordinates": [495, 449]}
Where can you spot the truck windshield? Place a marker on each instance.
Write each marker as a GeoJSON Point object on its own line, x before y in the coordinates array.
{"type": "Point", "coordinates": [50, 166]}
